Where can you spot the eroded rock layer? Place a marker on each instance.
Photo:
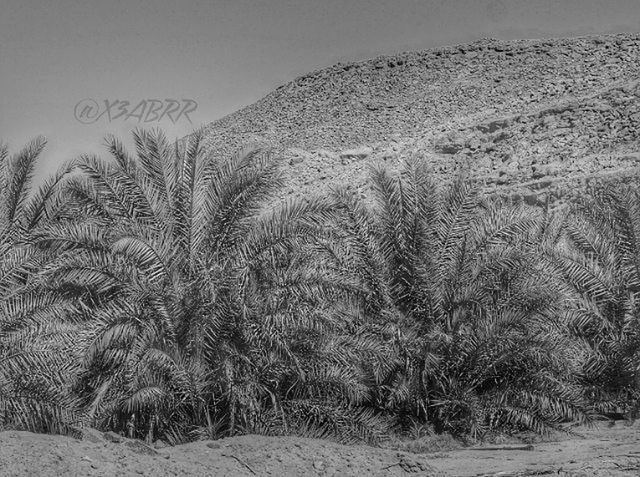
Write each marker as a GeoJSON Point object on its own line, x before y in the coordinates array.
{"type": "Point", "coordinates": [528, 116]}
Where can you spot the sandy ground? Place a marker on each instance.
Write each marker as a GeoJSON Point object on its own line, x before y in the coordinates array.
{"type": "Point", "coordinates": [610, 451]}
{"type": "Point", "coordinates": [603, 451]}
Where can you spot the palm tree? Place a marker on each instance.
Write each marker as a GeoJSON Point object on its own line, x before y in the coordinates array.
{"type": "Point", "coordinates": [209, 312]}
{"type": "Point", "coordinates": [35, 328]}
{"type": "Point", "coordinates": [600, 262]}
{"type": "Point", "coordinates": [454, 288]}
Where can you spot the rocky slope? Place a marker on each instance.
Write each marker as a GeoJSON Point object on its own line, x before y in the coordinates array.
{"type": "Point", "coordinates": [526, 115]}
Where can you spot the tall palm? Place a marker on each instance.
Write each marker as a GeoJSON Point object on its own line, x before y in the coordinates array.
{"type": "Point", "coordinates": [207, 306]}
{"type": "Point", "coordinates": [35, 328]}
{"type": "Point", "coordinates": [454, 287]}
{"type": "Point", "coordinates": [601, 262]}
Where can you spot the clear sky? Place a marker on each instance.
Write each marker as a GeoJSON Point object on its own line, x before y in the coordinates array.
{"type": "Point", "coordinates": [225, 54]}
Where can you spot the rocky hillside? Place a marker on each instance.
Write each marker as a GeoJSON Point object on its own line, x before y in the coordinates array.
{"type": "Point", "coordinates": [526, 115]}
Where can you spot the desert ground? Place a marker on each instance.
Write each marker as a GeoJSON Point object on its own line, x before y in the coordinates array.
{"type": "Point", "coordinates": [607, 450]}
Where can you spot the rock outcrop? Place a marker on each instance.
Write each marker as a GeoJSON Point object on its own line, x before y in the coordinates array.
{"type": "Point", "coordinates": [524, 115]}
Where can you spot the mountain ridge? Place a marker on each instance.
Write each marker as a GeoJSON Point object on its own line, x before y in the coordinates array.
{"type": "Point", "coordinates": [564, 107]}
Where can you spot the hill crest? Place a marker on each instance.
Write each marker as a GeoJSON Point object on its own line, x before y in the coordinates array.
{"type": "Point", "coordinates": [515, 112]}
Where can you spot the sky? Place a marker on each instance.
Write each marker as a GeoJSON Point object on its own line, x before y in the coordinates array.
{"type": "Point", "coordinates": [67, 67]}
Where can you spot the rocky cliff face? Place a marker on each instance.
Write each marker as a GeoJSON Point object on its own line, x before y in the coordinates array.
{"type": "Point", "coordinates": [526, 116]}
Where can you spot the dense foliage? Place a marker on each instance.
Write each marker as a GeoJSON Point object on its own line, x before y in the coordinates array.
{"type": "Point", "coordinates": [167, 295]}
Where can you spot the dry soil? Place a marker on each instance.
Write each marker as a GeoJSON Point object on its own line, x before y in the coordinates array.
{"type": "Point", "coordinates": [608, 450]}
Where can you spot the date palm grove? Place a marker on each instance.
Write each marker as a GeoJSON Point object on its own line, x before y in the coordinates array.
{"type": "Point", "coordinates": [167, 294]}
